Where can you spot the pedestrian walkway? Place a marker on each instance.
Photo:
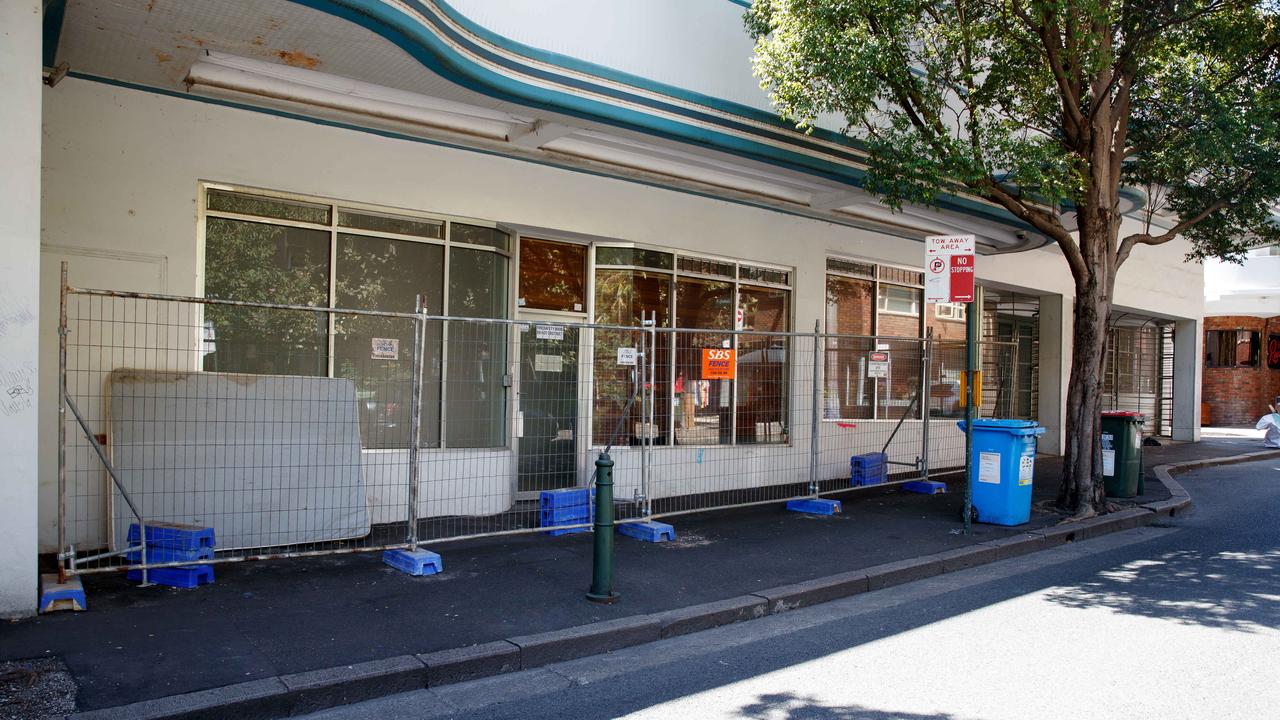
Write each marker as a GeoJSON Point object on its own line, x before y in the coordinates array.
{"type": "Point", "coordinates": [264, 619]}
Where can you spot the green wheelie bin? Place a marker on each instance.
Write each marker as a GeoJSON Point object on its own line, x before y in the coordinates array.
{"type": "Point", "coordinates": [1122, 453]}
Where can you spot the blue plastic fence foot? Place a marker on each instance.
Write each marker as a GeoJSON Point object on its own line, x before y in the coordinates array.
{"type": "Point", "coordinates": [649, 531]}
{"type": "Point", "coordinates": [414, 562]}
{"type": "Point", "coordinates": [56, 596]}
{"type": "Point", "coordinates": [925, 487]}
{"type": "Point", "coordinates": [814, 506]}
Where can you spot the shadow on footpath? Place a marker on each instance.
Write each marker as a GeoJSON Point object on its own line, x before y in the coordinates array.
{"type": "Point", "coordinates": [1233, 590]}
{"type": "Point", "coordinates": [789, 706]}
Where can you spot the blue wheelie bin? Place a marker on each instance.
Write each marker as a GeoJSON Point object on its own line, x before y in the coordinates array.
{"type": "Point", "coordinates": [1004, 457]}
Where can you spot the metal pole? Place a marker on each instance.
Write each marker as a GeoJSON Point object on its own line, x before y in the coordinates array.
{"type": "Point", "coordinates": [415, 421]}
{"type": "Point", "coordinates": [649, 406]}
{"type": "Point", "coordinates": [62, 424]}
{"type": "Point", "coordinates": [640, 373]}
{"type": "Point", "coordinates": [926, 347]}
{"type": "Point", "coordinates": [972, 328]}
{"type": "Point", "coordinates": [814, 419]}
{"type": "Point", "coordinates": [602, 565]}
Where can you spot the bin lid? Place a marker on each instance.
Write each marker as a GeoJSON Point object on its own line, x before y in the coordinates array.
{"type": "Point", "coordinates": [1015, 427]}
{"type": "Point", "coordinates": [1129, 414]}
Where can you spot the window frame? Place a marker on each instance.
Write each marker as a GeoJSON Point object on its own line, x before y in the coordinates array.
{"type": "Point", "coordinates": [674, 273]}
{"type": "Point", "coordinates": [334, 229]}
{"type": "Point", "coordinates": [1255, 339]}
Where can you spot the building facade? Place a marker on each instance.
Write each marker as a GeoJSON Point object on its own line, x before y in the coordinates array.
{"type": "Point", "coordinates": [1242, 338]}
{"type": "Point", "coordinates": [571, 162]}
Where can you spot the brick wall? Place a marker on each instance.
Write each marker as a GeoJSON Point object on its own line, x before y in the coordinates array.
{"type": "Point", "coordinates": [1240, 395]}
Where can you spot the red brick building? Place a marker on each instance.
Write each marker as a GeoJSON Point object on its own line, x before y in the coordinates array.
{"type": "Point", "coordinates": [1241, 368]}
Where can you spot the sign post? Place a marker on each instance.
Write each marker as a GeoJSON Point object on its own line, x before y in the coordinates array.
{"type": "Point", "coordinates": [950, 278]}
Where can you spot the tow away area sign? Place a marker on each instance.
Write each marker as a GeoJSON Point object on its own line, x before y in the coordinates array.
{"type": "Point", "coordinates": [949, 268]}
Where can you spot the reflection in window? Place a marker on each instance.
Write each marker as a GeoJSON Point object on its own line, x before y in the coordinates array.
{"type": "Point", "coordinates": [477, 352]}
{"type": "Point", "coordinates": [553, 275]}
{"type": "Point", "coordinates": [762, 366]}
{"type": "Point", "coordinates": [850, 311]}
{"type": "Point", "coordinates": [266, 263]}
{"type": "Point", "coordinates": [704, 407]}
{"type": "Point", "coordinates": [626, 297]}
{"type": "Point", "coordinates": [380, 274]}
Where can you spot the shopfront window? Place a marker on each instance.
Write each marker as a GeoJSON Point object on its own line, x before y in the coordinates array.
{"type": "Point", "coordinates": [301, 251]}
{"type": "Point", "coordinates": [553, 275]}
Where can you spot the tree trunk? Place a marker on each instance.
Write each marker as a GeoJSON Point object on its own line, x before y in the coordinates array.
{"type": "Point", "coordinates": [1082, 492]}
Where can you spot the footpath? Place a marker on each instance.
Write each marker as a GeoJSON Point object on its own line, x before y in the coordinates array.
{"type": "Point", "coordinates": [270, 639]}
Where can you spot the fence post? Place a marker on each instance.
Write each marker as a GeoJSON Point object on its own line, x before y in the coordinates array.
{"type": "Point", "coordinates": [815, 412]}
{"type": "Point", "coordinates": [648, 409]}
{"type": "Point", "coordinates": [926, 403]}
{"type": "Point", "coordinates": [62, 425]}
{"type": "Point", "coordinates": [602, 566]}
{"type": "Point", "coordinates": [415, 422]}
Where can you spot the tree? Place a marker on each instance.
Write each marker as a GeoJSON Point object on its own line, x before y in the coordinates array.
{"type": "Point", "coordinates": [1047, 108]}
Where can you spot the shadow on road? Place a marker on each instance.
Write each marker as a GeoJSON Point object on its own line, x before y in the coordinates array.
{"type": "Point", "coordinates": [1234, 590]}
{"type": "Point", "coordinates": [789, 706]}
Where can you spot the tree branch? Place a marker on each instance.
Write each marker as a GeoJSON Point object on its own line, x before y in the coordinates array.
{"type": "Point", "coordinates": [1127, 245]}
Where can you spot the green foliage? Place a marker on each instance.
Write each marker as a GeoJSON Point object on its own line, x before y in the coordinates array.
{"type": "Point", "coordinates": [1042, 104]}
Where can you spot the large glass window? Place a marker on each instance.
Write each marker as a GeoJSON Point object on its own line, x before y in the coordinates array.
{"type": "Point", "coordinates": [702, 300]}
{"type": "Point", "coordinates": [275, 249]}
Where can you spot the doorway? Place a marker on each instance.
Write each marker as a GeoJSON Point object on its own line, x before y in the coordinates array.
{"type": "Point", "coordinates": [547, 402]}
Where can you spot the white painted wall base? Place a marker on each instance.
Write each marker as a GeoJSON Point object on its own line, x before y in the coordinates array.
{"type": "Point", "coordinates": [20, 114]}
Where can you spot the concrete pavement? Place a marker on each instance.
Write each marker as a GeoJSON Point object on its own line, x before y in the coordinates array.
{"type": "Point", "coordinates": [1180, 621]}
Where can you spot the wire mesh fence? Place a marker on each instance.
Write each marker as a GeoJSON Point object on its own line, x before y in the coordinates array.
{"type": "Point", "coordinates": [292, 430]}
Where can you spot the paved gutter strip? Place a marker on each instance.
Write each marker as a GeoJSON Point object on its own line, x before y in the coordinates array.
{"type": "Point", "coordinates": [315, 690]}
{"type": "Point", "coordinates": [695, 618]}
{"type": "Point", "coordinates": [575, 642]}
{"type": "Point", "coordinates": [470, 663]}
{"type": "Point", "coordinates": [812, 592]}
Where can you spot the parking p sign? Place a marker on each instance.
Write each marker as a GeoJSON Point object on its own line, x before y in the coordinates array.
{"type": "Point", "coordinates": [948, 268]}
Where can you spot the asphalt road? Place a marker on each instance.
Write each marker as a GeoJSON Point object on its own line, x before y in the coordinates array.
{"type": "Point", "coordinates": [1176, 621]}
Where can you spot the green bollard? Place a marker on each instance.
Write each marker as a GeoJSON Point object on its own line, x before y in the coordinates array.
{"type": "Point", "coordinates": [602, 569]}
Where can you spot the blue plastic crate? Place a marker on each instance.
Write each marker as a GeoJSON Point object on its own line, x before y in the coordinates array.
{"type": "Point", "coordinates": [174, 535]}
{"type": "Point", "coordinates": [568, 531]}
{"type": "Point", "coordinates": [179, 577]}
{"type": "Point", "coordinates": [161, 554]}
{"type": "Point", "coordinates": [567, 497]}
{"type": "Point", "coordinates": [565, 515]}
{"type": "Point", "coordinates": [868, 469]}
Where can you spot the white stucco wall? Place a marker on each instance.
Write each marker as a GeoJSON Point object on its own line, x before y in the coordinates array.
{"type": "Point", "coordinates": [20, 321]}
{"type": "Point", "coordinates": [120, 200]}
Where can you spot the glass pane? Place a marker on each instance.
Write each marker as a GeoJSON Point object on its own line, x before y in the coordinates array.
{"type": "Point", "coordinates": [633, 256]}
{"type": "Point", "coordinates": [850, 309]}
{"type": "Point", "coordinates": [896, 395]}
{"type": "Point", "coordinates": [388, 223]}
{"type": "Point", "coordinates": [762, 366]}
{"type": "Point", "coordinates": [899, 311]}
{"type": "Point", "coordinates": [478, 235]}
{"type": "Point", "coordinates": [946, 320]}
{"type": "Point", "coordinates": [553, 275]}
{"type": "Point", "coordinates": [377, 352]}
{"type": "Point", "coordinates": [243, 204]}
{"type": "Point", "coordinates": [622, 298]}
{"type": "Point", "coordinates": [266, 263]}
{"type": "Point", "coordinates": [706, 267]}
{"type": "Point", "coordinates": [548, 408]}
{"type": "Point", "coordinates": [476, 399]}
{"type": "Point", "coordinates": [704, 407]}
{"type": "Point", "coordinates": [769, 275]}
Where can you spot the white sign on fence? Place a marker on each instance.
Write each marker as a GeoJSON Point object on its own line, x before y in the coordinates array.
{"type": "Point", "coordinates": [626, 356]}
{"type": "Point", "coordinates": [385, 349]}
{"type": "Point", "coordinates": [550, 332]}
{"type": "Point", "coordinates": [948, 268]}
{"type": "Point", "coordinates": [878, 364]}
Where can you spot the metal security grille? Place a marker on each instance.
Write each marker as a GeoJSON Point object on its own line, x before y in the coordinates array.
{"type": "Point", "coordinates": [1165, 408]}
{"type": "Point", "coordinates": [294, 430]}
{"type": "Point", "coordinates": [1133, 370]}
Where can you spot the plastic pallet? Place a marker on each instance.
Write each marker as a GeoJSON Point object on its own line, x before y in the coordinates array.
{"type": "Point", "coordinates": [174, 535]}
{"type": "Point", "coordinates": [868, 469]}
{"type": "Point", "coordinates": [925, 487]}
{"type": "Point", "coordinates": [820, 506]}
{"type": "Point", "coordinates": [876, 477]}
{"type": "Point", "coordinates": [179, 577]}
{"type": "Point", "coordinates": [564, 516]}
{"type": "Point", "coordinates": [567, 497]}
{"type": "Point", "coordinates": [162, 554]}
{"type": "Point", "coordinates": [414, 562]}
{"type": "Point", "coordinates": [568, 531]}
{"type": "Point", "coordinates": [648, 531]}
{"type": "Point", "coordinates": [56, 596]}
